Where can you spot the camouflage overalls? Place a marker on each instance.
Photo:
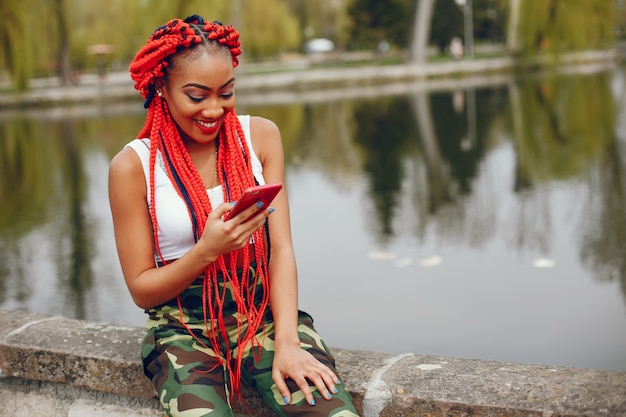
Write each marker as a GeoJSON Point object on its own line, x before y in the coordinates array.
{"type": "Point", "coordinates": [190, 385]}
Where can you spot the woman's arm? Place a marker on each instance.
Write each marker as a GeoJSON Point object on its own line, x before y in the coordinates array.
{"type": "Point", "coordinates": [282, 268]}
{"type": "Point", "coordinates": [150, 286]}
{"type": "Point", "coordinates": [290, 361]}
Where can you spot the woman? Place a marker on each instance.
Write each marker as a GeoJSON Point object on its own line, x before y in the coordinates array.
{"type": "Point", "coordinates": [221, 296]}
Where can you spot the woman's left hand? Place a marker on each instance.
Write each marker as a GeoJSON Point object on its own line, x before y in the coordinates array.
{"type": "Point", "coordinates": [299, 365]}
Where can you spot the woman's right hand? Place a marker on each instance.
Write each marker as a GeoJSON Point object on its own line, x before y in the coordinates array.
{"type": "Point", "coordinates": [221, 237]}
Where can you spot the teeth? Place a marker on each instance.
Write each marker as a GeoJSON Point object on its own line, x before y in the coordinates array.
{"type": "Point", "coordinates": [206, 124]}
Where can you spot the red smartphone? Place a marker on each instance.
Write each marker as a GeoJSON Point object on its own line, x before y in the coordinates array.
{"type": "Point", "coordinates": [264, 193]}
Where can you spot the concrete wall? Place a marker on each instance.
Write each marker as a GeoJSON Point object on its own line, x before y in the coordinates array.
{"type": "Point", "coordinates": [54, 366]}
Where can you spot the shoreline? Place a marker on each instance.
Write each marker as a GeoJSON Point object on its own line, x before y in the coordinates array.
{"type": "Point", "coordinates": [293, 80]}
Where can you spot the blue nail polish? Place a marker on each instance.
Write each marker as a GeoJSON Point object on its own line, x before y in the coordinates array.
{"type": "Point", "coordinates": [259, 204]}
{"type": "Point", "coordinates": [286, 399]}
{"type": "Point", "coordinates": [312, 402]}
{"type": "Point", "coordinates": [271, 210]}
{"type": "Point", "coordinates": [338, 382]}
{"type": "Point", "coordinates": [335, 390]}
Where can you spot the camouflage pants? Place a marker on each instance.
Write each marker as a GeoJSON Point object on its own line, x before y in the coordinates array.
{"type": "Point", "coordinates": [190, 384]}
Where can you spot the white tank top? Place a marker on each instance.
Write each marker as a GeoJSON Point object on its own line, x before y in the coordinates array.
{"type": "Point", "coordinates": [175, 230]}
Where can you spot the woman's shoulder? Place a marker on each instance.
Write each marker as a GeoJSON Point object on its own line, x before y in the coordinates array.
{"type": "Point", "coordinates": [262, 126]}
{"type": "Point", "coordinates": [126, 161]}
{"type": "Point", "coordinates": [266, 139]}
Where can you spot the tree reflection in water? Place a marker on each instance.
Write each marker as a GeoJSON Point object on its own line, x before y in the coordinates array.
{"type": "Point", "coordinates": [74, 248]}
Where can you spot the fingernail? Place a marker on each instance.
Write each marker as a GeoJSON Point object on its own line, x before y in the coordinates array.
{"type": "Point", "coordinates": [259, 204]}
{"type": "Point", "coordinates": [335, 390]}
{"type": "Point", "coordinates": [232, 203]}
{"type": "Point", "coordinates": [312, 402]}
{"type": "Point", "coordinates": [286, 399]}
{"type": "Point", "coordinates": [338, 382]}
{"type": "Point", "coordinates": [271, 210]}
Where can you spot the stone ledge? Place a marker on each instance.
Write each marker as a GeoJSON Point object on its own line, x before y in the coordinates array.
{"type": "Point", "coordinates": [71, 368]}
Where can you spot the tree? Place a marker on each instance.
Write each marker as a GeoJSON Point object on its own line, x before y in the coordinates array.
{"type": "Point", "coordinates": [73, 25]}
{"type": "Point", "coordinates": [557, 26]}
{"type": "Point", "coordinates": [16, 55]}
{"type": "Point", "coordinates": [64, 70]}
{"type": "Point", "coordinates": [375, 21]}
{"type": "Point", "coordinates": [268, 27]}
{"type": "Point", "coordinates": [512, 38]}
{"type": "Point", "coordinates": [447, 22]}
{"type": "Point", "coordinates": [421, 30]}
{"type": "Point", "coordinates": [489, 18]}
{"type": "Point", "coordinates": [322, 18]}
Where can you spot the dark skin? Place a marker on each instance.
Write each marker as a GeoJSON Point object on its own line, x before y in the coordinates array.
{"type": "Point", "coordinates": [199, 94]}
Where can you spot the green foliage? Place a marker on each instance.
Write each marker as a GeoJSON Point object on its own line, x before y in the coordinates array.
{"type": "Point", "coordinates": [265, 33]}
{"type": "Point", "coordinates": [619, 19]}
{"type": "Point", "coordinates": [322, 18]}
{"type": "Point", "coordinates": [374, 21]}
{"type": "Point", "coordinates": [9, 39]}
{"type": "Point", "coordinates": [30, 46]}
{"type": "Point", "coordinates": [140, 19]}
{"type": "Point", "coordinates": [392, 20]}
{"type": "Point", "coordinates": [489, 18]}
{"type": "Point", "coordinates": [30, 49]}
{"type": "Point", "coordinates": [16, 55]}
{"type": "Point", "coordinates": [556, 26]}
{"type": "Point", "coordinates": [447, 22]}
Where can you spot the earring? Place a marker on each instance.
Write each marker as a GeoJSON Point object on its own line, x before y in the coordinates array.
{"type": "Point", "coordinates": [159, 93]}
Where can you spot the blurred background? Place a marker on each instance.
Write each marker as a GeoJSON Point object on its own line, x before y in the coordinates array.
{"type": "Point", "coordinates": [71, 37]}
{"type": "Point", "coordinates": [478, 216]}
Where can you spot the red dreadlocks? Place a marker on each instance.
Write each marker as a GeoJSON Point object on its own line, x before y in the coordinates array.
{"type": "Point", "coordinates": [235, 173]}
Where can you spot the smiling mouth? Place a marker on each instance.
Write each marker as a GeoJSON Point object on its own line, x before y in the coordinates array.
{"type": "Point", "coordinates": [207, 125]}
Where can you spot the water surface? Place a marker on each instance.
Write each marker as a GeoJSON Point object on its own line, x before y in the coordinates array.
{"type": "Point", "coordinates": [471, 218]}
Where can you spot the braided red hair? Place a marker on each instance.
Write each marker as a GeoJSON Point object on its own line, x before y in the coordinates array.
{"type": "Point", "coordinates": [235, 173]}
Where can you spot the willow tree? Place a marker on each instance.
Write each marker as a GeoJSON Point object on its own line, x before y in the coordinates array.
{"type": "Point", "coordinates": [64, 66]}
{"type": "Point", "coordinates": [267, 28]}
{"type": "Point", "coordinates": [29, 44]}
{"type": "Point", "coordinates": [558, 26]}
{"type": "Point", "coordinates": [125, 25]}
{"type": "Point", "coordinates": [16, 55]}
{"type": "Point", "coordinates": [323, 18]}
